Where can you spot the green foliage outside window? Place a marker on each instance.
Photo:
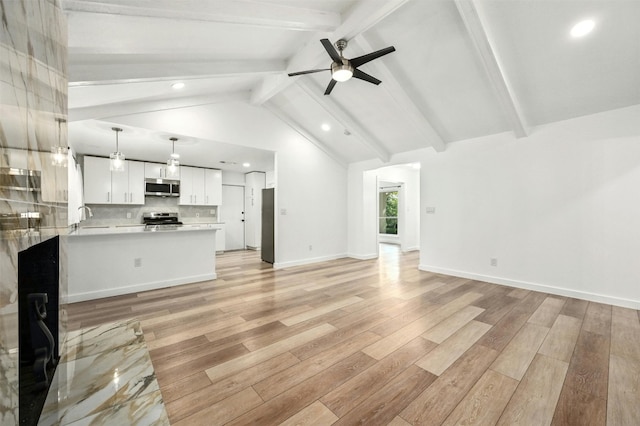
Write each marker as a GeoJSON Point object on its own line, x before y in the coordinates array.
{"type": "Point", "coordinates": [388, 213]}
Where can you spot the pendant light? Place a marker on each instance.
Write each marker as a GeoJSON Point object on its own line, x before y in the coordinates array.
{"type": "Point", "coordinates": [59, 152]}
{"type": "Point", "coordinates": [173, 162]}
{"type": "Point", "coordinates": [117, 158]}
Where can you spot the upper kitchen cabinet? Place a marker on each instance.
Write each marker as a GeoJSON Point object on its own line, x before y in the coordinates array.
{"type": "Point", "coordinates": [101, 186]}
{"type": "Point", "coordinates": [159, 171]}
{"type": "Point", "coordinates": [191, 186]}
{"type": "Point", "coordinates": [200, 187]}
{"type": "Point", "coordinates": [212, 187]}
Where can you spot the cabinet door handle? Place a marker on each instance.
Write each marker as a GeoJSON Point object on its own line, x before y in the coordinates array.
{"type": "Point", "coordinates": [108, 197]}
{"type": "Point", "coordinates": [131, 197]}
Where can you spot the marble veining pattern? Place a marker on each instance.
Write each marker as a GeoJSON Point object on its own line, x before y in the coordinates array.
{"type": "Point", "coordinates": [106, 377]}
{"type": "Point", "coordinates": [33, 100]}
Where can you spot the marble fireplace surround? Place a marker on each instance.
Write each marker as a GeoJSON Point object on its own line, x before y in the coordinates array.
{"type": "Point", "coordinates": [33, 110]}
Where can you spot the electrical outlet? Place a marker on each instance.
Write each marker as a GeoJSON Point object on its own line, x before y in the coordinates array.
{"type": "Point", "coordinates": [493, 261]}
{"type": "Point", "coordinates": [431, 210]}
{"type": "Point", "coordinates": [137, 262]}
{"type": "Point", "coordinates": [310, 247]}
{"type": "Point", "coordinates": [128, 215]}
{"type": "Point", "coordinates": [197, 214]}
{"type": "Point", "coordinates": [212, 212]}
{"type": "Point", "coordinates": [283, 212]}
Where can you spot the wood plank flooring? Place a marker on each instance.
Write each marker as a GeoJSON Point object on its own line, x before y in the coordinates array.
{"type": "Point", "coordinates": [379, 342]}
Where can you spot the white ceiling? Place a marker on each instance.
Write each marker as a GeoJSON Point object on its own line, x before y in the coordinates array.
{"type": "Point", "coordinates": [462, 69]}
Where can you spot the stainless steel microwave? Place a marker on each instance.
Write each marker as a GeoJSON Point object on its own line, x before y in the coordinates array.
{"type": "Point", "coordinates": [162, 187]}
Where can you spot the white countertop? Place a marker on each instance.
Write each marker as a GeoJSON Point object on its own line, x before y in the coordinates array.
{"type": "Point", "coordinates": [129, 229]}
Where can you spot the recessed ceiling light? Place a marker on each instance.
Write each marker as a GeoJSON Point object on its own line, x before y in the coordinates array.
{"type": "Point", "coordinates": [178, 85]}
{"type": "Point", "coordinates": [325, 127]}
{"type": "Point", "coordinates": [246, 164]}
{"type": "Point", "coordinates": [582, 28]}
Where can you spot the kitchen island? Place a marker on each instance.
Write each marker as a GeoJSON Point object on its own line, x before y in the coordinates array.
{"type": "Point", "coordinates": [116, 260]}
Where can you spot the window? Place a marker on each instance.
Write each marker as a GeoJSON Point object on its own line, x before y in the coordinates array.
{"type": "Point", "coordinates": [388, 215]}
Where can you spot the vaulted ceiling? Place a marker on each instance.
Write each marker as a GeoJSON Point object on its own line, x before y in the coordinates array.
{"type": "Point", "coordinates": [461, 69]}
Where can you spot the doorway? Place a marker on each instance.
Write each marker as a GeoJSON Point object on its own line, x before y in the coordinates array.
{"type": "Point", "coordinates": [232, 214]}
{"type": "Point", "coordinates": [392, 205]}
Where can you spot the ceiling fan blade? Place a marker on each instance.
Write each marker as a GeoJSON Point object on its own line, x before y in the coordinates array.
{"type": "Point", "coordinates": [331, 50]}
{"type": "Point", "coordinates": [366, 77]}
{"type": "Point", "coordinates": [308, 72]}
{"type": "Point", "coordinates": [356, 62]}
{"type": "Point", "coordinates": [330, 87]}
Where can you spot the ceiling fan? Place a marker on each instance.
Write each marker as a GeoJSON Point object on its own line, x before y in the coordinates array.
{"type": "Point", "coordinates": [342, 69]}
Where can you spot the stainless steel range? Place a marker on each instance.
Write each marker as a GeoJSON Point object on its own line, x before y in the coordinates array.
{"type": "Point", "coordinates": [156, 221]}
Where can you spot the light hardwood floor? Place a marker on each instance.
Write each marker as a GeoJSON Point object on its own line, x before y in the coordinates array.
{"type": "Point", "coordinates": [379, 342]}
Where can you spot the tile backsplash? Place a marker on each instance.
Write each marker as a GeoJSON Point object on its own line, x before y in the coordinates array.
{"type": "Point", "coordinates": [112, 215]}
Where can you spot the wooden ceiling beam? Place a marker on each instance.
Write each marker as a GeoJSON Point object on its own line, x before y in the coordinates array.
{"type": "Point", "coordinates": [487, 53]}
{"type": "Point", "coordinates": [364, 15]}
{"type": "Point", "coordinates": [105, 111]}
{"type": "Point", "coordinates": [87, 73]}
{"type": "Point", "coordinates": [289, 121]}
{"type": "Point", "coordinates": [239, 12]}
{"type": "Point", "coordinates": [343, 117]}
{"type": "Point", "coordinates": [395, 90]}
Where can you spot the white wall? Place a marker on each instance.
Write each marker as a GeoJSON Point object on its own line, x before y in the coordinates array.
{"type": "Point", "coordinates": [559, 210]}
{"type": "Point", "coordinates": [232, 178]}
{"type": "Point", "coordinates": [310, 185]}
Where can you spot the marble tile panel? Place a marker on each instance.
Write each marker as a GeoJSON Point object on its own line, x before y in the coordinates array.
{"type": "Point", "coordinates": [144, 411]}
{"type": "Point", "coordinates": [95, 340]}
{"type": "Point", "coordinates": [33, 92]}
{"type": "Point", "coordinates": [106, 377]}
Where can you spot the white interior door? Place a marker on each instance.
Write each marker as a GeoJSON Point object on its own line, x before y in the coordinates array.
{"type": "Point", "coordinates": [232, 214]}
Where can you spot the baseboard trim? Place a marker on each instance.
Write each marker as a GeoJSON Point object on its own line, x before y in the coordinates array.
{"type": "Point", "coordinates": [101, 294]}
{"type": "Point", "coordinates": [560, 291]}
{"type": "Point", "coordinates": [364, 256]}
{"type": "Point", "coordinates": [301, 262]}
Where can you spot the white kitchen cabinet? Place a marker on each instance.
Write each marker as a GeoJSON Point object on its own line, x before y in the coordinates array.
{"type": "Point", "coordinates": [212, 187]}
{"type": "Point", "coordinates": [97, 181]}
{"type": "Point", "coordinates": [101, 186]}
{"type": "Point", "coordinates": [128, 186]}
{"type": "Point", "coordinates": [192, 186]}
{"type": "Point", "coordinates": [159, 171]}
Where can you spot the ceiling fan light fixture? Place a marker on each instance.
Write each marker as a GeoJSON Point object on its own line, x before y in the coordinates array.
{"type": "Point", "coordinates": [341, 72]}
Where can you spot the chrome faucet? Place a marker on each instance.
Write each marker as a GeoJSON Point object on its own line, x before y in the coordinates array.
{"type": "Point", "coordinates": [88, 209]}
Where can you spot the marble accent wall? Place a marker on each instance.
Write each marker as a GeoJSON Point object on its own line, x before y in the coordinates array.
{"type": "Point", "coordinates": [33, 112]}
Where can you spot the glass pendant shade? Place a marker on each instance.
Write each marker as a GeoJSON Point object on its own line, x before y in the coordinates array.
{"type": "Point", "coordinates": [59, 152]}
{"type": "Point", "coordinates": [116, 163]}
{"type": "Point", "coordinates": [173, 163]}
{"type": "Point", "coordinates": [59, 156]}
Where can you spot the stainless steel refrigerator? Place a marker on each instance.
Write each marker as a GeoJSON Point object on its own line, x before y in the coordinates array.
{"type": "Point", "coordinates": [268, 218]}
